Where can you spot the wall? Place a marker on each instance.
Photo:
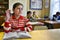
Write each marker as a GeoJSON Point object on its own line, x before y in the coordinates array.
{"type": "Point", "coordinates": [40, 13]}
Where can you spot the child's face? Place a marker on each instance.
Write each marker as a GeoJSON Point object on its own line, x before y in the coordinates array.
{"type": "Point", "coordinates": [29, 14]}
{"type": "Point", "coordinates": [18, 10]}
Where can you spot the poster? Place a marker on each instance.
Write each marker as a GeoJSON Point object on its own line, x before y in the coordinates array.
{"type": "Point", "coordinates": [36, 4]}
{"type": "Point", "coordinates": [46, 3]}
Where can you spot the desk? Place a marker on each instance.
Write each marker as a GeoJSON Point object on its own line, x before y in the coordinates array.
{"type": "Point", "coordinates": [51, 34]}
{"type": "Point", "coordinates": [52, 24]}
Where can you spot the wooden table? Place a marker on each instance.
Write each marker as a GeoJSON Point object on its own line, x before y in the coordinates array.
{"type": "Point", "coordinates": [52, 24]}
{"type": "Point", "coordinates": [51, 34]}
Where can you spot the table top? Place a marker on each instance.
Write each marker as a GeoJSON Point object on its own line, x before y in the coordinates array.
{"type": "Point", "coordinates": [51, 34]}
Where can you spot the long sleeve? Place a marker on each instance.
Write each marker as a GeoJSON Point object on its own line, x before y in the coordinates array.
{"type": "Point", "coordinates": [28, 26]}
{"type": "Point", "coordinates": [7, 27]}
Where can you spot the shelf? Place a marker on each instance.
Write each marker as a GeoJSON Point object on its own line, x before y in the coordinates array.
{"type": "Point", "coordinates": [5, 3]}
{"type": "Point", "coordinates": [4, 8]}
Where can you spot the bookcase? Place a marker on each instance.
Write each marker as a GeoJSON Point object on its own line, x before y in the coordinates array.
{"type": "Point", "coordinates": [4, 5]}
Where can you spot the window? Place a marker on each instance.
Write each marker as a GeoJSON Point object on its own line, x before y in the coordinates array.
{"type": "Point", "coordinates": [54, 7]}
{"type": "Point", "coordinates": [36, 4]}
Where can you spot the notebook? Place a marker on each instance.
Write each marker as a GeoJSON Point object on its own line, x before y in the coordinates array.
{"type": "Point", "coordinates": [9, 35]}
{"type": "Point", "coordinates": [22, 34]}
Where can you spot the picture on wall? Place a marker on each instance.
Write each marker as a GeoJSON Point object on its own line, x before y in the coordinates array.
{"type": "Point", "coordinates": [35, 4]}
{"type": "Point", "coordinates": [46, 3]}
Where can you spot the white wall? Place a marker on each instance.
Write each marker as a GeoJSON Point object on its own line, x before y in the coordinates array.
{"type": "Point", "coordinates": [24, 2]}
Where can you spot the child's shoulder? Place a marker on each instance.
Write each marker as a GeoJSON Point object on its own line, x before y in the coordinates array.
{"type": "Point", "coordinates": [22, 17]}
{"type": "Point", "coordinates": [59, 17]}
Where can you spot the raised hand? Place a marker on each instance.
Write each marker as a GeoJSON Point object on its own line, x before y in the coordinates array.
{"type": "Point", "coordinates": [7, 15]}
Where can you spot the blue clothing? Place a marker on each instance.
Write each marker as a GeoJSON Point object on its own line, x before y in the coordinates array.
{"type": "Point", "coordinates": [54, 16]}
{"type": "Point", "coordinates": [58, 17]}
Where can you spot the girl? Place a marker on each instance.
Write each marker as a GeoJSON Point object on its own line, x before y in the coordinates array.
{"type": "Point", "coordinates": [16, 22]}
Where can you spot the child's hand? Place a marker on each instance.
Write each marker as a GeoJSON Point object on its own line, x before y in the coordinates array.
{"type": "Point", "coordinates": [7, 15]}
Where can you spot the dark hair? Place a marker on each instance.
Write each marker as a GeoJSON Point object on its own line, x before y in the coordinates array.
{"type": "Point", "coordinates": [28, 12]}
{"type": "Point", "coordinates": [57, 13]}
{"type": "Point", "coordinates": [16, 4]}
{"type": "Point", "coordinates": [34, 12]}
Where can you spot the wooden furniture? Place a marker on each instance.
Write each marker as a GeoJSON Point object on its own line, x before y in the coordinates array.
{"type": "Point", "coordinates": [51, 34]}
{"type": "Point", "coordinates": [4, 4]}
{"type": "Point", "coordinates": [52, 24]}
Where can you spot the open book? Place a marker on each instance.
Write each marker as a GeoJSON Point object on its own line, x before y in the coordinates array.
{"type": "Point", "coordinates": [11, 35]}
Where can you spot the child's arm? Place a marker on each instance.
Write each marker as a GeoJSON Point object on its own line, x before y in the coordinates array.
{"type": "Point", "coordinates": [7, 25]}
{"type": "Point", "coordinates": [28, 26]}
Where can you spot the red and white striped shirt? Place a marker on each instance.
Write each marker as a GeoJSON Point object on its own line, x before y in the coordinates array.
{"type": "Point", "coordinates": [20, 23]}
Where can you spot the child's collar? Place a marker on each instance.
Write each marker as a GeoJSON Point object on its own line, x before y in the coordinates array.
{"type": "Point", "coordinates": [18, 16]}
